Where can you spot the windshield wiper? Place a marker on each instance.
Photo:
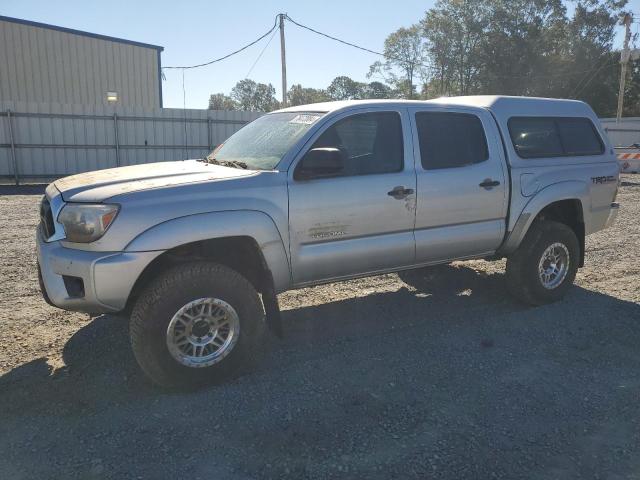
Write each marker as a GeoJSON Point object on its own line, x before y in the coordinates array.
{"type": "Point", "coordinates": [226, 163]}
{"type": "Point", "coordinates": [234, 163]}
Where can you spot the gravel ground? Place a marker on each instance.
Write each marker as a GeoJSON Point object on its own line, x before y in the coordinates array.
{"type": "Point", "coordinates": [435, 373]}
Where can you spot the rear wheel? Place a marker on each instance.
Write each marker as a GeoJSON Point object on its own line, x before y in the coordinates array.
{"type": "Point", "coordinates": [196, 324]}
{"type": "Point", "coordinates": [545, 265]}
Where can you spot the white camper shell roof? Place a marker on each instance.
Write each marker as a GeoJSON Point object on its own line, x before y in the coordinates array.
{"type": "Point", "coordinates": [502, 109]}
{"type": "Point", "coordinates": [498, 104]}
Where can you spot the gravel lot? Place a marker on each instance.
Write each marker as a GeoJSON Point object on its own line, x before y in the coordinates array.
{"type": "Point", "coordinates": [428, 374]}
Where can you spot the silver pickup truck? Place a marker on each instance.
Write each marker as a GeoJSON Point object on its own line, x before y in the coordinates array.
{"type": "Point", "coordinates": [196, 251]}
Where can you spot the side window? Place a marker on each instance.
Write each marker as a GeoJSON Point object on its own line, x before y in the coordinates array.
{"type": "Point", "coordinates": [535, 137]}
{"type": "Point", "coordinates": [370, 143]}
{"type": "Point", "coordinates": [579, 137]}
{"type": "Point", "coordinates": [542, 137]}
{"type": "Point", "coordinates": [450, 140]}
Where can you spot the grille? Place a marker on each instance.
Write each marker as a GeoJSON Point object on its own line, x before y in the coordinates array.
{"type": "Point", "coordinates": [46, 218]}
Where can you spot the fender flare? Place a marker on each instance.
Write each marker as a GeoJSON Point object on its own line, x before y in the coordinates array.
{"type": "Point", "coordinates": [556, 192]}
{"type": "Point", "coordinates": [231, 223]}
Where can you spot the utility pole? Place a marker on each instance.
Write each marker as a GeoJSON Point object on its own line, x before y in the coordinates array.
{"type": "Point", "coordinates": [283, 60]}
{"type": "Point", "coordinates": [624, 60]}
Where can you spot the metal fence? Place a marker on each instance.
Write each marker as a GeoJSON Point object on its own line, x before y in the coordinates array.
{"type": "Point", "coordinates": [44, 141]}
{"type": "Point", "coordinates": [624, 133]}
{"type": "Point", "coordinates": [39, 142]}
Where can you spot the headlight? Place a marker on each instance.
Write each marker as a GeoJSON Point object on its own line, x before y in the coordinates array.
{"type": "Point", "coordinates": [86, 223]}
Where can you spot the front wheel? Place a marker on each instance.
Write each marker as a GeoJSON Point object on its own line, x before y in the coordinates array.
{"type": "Point", "coordinates": [197, 323]}
{"type": "Point", "coordinates": [545, 265]}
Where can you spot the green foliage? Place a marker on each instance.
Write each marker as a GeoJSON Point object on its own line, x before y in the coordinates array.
{"type": "Point", "coordinates": [377, 90]}
{"type": "Point", "coordinates": [344, 88]}
{"type": "Point", "coordinates": [253, 96]}
{"type": "Point", "coordinates": [548, 48]}
{"type": "Point", "coordinates": [405, 52]}
{"type": "Point", "coordinates": [220, 101]}
{"type": "Point", "coordinates": [632, 91]}
{"type": "Point", "coordinates": [298, 95]}
{"type": "Point", "coordinates": [524, 47]}
{"type": "Point", "coordinates": [453, 32]}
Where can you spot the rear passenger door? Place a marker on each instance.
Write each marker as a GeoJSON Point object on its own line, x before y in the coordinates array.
{"type": "Point", "coordinates": [461, 179]}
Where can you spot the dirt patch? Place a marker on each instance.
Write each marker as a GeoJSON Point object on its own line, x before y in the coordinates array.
{"type": "Point", "coordinates": [435, 373]}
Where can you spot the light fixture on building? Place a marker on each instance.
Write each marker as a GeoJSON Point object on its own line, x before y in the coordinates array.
{"type": "Point", "coordinates": [112, 97]}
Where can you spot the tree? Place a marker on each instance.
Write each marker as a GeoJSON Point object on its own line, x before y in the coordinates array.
{"type": "Point", "coordinates": [341, 88]}
{"type": "Point", "coordinates": [590, 35]}
{"type": "Point", "coordinates": [253, 96]}
{"type": "Point", "coordinates": [344, 88]}
{"type": "Point", "coordinates": [377, 90]}
{"type": "Point", "coordinates": [453, 31]}
{"type": "Point", "coordinates": [551, 54]}
{"type": "Point", "coordinates": [523, 47]}
{"type": "Point", "coordinates": [298, 95]}
{"type": "Point", "coordinates": [632, 91]}
{"type": "Point", "coordinates": [405, 54]}
{"type": "Point", "coordinates": [220, 101]}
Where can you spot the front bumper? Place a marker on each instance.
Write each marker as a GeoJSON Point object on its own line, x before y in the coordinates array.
{"type": "Point", "coordinates": [613, 214]}
{"type": "Point", "coordinates": [107, 277]}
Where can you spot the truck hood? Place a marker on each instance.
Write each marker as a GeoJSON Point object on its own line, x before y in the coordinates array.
{"type": "Point", "coordinates": [102, 184]}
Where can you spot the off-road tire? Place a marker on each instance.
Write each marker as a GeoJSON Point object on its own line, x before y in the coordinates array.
{"type": "Point", "coordinates": [176, 287]}
{"type": "Point", "coordinates": [522, 276]}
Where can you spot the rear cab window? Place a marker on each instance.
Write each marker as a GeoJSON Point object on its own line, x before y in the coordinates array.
{"type": "Point", "coordinates": [546, 137]}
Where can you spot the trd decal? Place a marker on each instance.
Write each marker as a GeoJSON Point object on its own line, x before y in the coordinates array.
{"type": "Point", "coordinates": [607, 179]}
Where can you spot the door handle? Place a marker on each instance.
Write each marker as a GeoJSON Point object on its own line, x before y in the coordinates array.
{"type": "Point", "coordinates": [488, 183]}
{"type": "Point", "coordinates": [400, 192]}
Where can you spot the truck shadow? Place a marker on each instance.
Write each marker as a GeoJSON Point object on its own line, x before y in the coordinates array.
{"type": "Point", "coordinates": [427, 295]}
{"type": "Point", "coordinates": [99, 357]}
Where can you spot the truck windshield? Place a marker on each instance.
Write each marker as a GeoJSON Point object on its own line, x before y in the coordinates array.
{"type": "Point", "coordinates": [262, 143]}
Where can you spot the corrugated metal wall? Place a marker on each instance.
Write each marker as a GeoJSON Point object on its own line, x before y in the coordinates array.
{"type": "Point", "coordinates": [47, 65]}
{"type": "Point", "coordinates": [622, 134]}
{"type": "Point", "coordinates": [58, 140]}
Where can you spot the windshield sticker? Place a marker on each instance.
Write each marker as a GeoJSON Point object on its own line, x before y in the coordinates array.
{"type": "Point", "coordinates": [305, 118]}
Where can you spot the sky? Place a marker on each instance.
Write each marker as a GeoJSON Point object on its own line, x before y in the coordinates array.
{"type": "Point", "coordinates": [193, 32]}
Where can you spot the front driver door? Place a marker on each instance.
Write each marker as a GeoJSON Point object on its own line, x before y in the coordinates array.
{"type": "Point", "coordinates": [361, 220]}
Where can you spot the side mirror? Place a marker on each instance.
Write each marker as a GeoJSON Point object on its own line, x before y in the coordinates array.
{"type": "Point", "coordinates": [319, 163]}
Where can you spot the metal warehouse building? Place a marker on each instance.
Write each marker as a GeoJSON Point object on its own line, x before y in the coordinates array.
{"type": "Point", "coordinates": [49, 64]}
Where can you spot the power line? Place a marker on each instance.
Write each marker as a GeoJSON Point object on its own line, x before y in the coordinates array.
{"type": "Point", "coordinates": [228, 55]}
{"type": "Point", "coordinates": [342, 41]}
{"type": "Point", "coordinates": [261, 53]}
{"type": "Point", "coordinates": [273, 30]}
